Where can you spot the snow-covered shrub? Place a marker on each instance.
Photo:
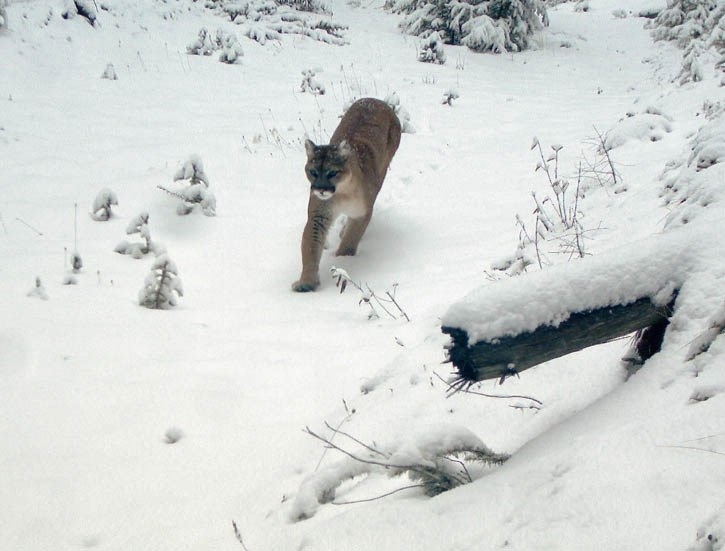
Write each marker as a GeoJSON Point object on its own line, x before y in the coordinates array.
{"type": "Point", "coordinates": [313, 6]}
{"type": "Point", "coordinates": [140, 225]}
{"type": "Point", "coordinates": [264, 20]}
{"type": "Point", "coordinates": [393, 100]}
{"type": "Point", "coordinates": [3, 16]}
{"type": "Point", "coordinates": [197, 190]}
{"type": "Point", "coordinates": [231, 51]}
{"type": "Point", "coordinates": [431, 50]}
{"type": "Point", "coordinates": [688, 185]}
{"type": "Point", "coordinates": [192, 170]}
{"type": "Point", "coordinates": [162, 286]}
{"type": "Point", "coordinates": [204, 44]}
{"type": "Point", "coordinates": [101, 209]}
{"type": "Point", "coordinates": [449, 95]}
{"type": "Point", "coordinates": [697, 26]}
{"type": "Point", "coordinates": [38, 291]}
{"type": "Point", "coordinates": [311, 84]}
{"type": "Point", "coordinates": [84, 8]}
{"type": "Point", "coordinates": [109, 72]}
{"type": "Point", "coordinates": [438, 460]}
{"type": "Point", "coordinates": [646, 127]}
{"type": "Point", "coordinates": [485, 25]}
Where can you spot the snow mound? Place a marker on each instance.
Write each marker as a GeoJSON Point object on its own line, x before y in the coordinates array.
{"type": "Point", "coordinates": [644, 127]}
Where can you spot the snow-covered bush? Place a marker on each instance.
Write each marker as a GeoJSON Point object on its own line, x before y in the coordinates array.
{"type": "Point", "coordinates": [140, 225]}
{"type": "Point", "coordinates": [3, 16]}
{"type": "Point", "coordinates": [437, 460]}
{"type": "Point", "coordinates": [38, 291]}
{"type": "Point", "coordinates": [264, 20]}
{"type": "Point", "coordinates": [204, 44]}
{"type": "Point", "coordinates": [162, 286]}
{"type": "Point", "coordinates": [231, 51]}
{"type": "Point", "coordinates": [311, 84]}
{"type": "Point", "coordinates": [688, 185]}
{"type": "Point", "coordinates": [197, 190]}
{"type": "Point", "coordinates": [485, 25]}
{"type": "Point", "coordinates": [449, 95]}
{"type": "Point", "coordinates": [393, 100]}
{"type": "Point", "coordinates": [313, 6]}
{"type": "Point", "coordinates": [84, 8]}
{"type": "Point", "coordinates": [101, 209]}
{"type": "Point", "coordinates": [646, 127]}
{"type": "Point", "coordinates": [431, 50]}
{"type": "Point", "coordinates": [698, 27]}
{"type": "Point", "coordinates": [109, 73]}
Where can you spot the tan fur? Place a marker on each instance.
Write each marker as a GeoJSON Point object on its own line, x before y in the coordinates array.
{"type": "Point", "coordinates": [350, 171]}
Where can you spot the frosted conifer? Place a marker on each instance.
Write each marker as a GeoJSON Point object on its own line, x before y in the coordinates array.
{"type": "Point", "coordinates": [162, 286]}
{"type": "Point", "coordinates": [197, 192]}
{"type": "Point", "coordinates": [485, 25]}
{"type": "Point", "coordinates": [431, 49]}
{"type": "Point", "coordinates": [140, 225]}
{"type": "Point", "coordinates": [101, 209]}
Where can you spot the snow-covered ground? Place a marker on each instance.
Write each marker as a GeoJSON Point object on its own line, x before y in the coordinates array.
{"type": "Point", "coordinates": [126, 428]}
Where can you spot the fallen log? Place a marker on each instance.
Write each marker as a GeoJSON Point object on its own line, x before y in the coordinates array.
{"type": "Point", "coordinates": [509, 355]}
{"type": "Point", "coordinates": [504, 327]}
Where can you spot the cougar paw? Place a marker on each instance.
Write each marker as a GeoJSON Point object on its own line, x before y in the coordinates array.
{"type": "Point", "coordinates": [304, 286]}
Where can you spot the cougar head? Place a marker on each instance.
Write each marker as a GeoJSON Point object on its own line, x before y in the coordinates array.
{"type": "Point", "coordinates": [326, 167]}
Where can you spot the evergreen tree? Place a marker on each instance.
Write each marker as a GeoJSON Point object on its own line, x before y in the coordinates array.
{"type": "Point", "coordinates": [482, 25]}
{"type": "Point", "coordinates": [697, 26]}
{"type": "Point", "coordinates": [162, 286]}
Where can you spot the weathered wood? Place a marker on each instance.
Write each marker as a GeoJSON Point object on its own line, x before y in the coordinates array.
{"type": "Point", "coordinates": [509, 355]}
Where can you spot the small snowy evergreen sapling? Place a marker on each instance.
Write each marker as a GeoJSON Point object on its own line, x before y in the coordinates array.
{"type": "Point", "coordinates": [203, 45]}
{"type": "Point", "coordinates": [3, 16]}
{"type": "Point", "coordinates": [84, 8]}
{"type": "Point", "coordinates": [109, 73]}
{"type": "Point", "coordinates": [139, 224]}
{"type": "Point", "coordinates": [197, 192]}
{"type": "Point", "coordinates": [38, 291]}
{"type": "Point", "coordinates": [431, 49]}
{"type": "Point", "coordinates": [403, 116]}
{"type": "Point", "coordinates": [192, 170]}
{"type": "Point", "coordinates": [162, 286]}
{"type": "Point", "coordinates": [101, 209]}
{"type": "Point", "coordinates": [449, 96]}
{"type": "Point", "coordinates": [311, 84]}
{"type": "Point", "coordinates": [231, 51]}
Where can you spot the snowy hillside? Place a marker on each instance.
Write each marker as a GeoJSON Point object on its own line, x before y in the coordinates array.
{"type": "Point", "coordinates": [129, 428]}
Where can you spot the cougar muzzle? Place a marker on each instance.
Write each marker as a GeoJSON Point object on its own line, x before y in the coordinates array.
{"type": "Point", "coordinates": [323, 191]}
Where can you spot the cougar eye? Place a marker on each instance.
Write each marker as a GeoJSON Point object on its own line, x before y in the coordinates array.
{"type": "Point", "coordinates": [332, 173]}
{"type": "Point", "coordinates": [314, 173]}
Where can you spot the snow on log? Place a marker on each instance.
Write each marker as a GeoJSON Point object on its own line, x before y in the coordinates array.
{"type": "Point", "coordinates": [510, 325]}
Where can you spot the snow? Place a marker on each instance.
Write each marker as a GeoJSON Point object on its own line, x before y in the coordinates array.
{"type": "Point", "coordinates": [130, 428]}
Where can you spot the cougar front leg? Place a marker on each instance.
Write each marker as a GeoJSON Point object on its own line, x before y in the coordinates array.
{"type": "Point", "coordinates": [313, 241]}
{"type": "Point", "coordinates": [351, 235]}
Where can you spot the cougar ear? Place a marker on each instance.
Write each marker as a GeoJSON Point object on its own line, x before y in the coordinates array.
{"type": "Point", "coordinates": [310, 148]}
{"type": "Point", "coordinates": [343, 150]}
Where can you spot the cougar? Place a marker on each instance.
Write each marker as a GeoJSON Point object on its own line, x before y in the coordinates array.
{"type": "Point", "coordinates": [345, 178]}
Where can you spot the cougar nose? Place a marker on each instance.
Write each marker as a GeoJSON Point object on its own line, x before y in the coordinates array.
{"type": "Point", "coordinates": [324, 187]}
